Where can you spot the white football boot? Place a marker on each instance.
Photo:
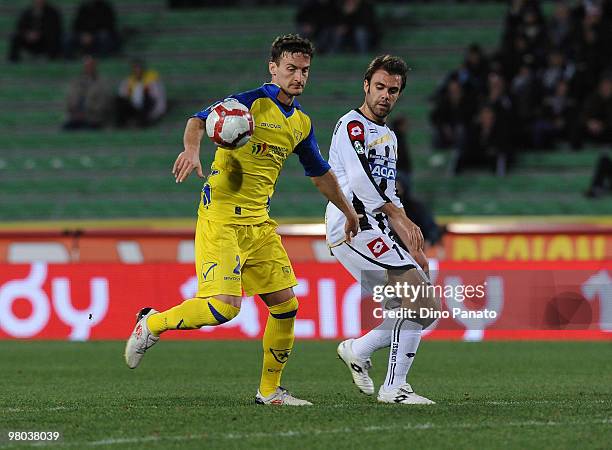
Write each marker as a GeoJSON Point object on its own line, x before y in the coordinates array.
{"type": "Point", "coordinates": [403, 395]}
{"type": "Point", "coordinates": [359, 368]}
{"type": "Point", "coordinates": [140, 340]}
{"type": "Point", "coordinates": [280, 397]}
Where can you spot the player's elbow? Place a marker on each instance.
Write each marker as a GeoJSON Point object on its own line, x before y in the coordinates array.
{"type": "Point", "coordinates": [195, 122]}
{"type": "Point", "coordinates": [321, 180]}
{"type": "Point", "coordinates": [391, 210]}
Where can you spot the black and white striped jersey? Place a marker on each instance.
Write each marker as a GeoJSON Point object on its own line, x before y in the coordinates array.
{"type": "Point", "coordinates": [363, 155]}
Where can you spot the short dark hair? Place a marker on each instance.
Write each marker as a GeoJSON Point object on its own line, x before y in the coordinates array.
{"type": "Point", "coordinates": [290, 43]}
{"type": "Point", "coordinates": [394, 65]}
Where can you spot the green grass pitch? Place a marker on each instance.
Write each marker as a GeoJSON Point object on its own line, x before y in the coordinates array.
{"type": "Point", "coordinates": [200, 395]}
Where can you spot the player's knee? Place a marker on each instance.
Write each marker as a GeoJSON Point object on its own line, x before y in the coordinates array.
{"type": "Point", "coordinates": [222, 311]}
{"type": "Point", "coordinates": [285, 310]}
{"type": "Point", "coordinates": [432, 308]}
{"type": "Point", "coordinates": [294, 304]}
{"type": "Point", "coordinates": [425, 322]}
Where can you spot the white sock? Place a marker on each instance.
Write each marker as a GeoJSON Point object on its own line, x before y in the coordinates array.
{"type": "Point", "coordinates": [405, 338]}
{"type": "Point", "coordinates": [375, 339]}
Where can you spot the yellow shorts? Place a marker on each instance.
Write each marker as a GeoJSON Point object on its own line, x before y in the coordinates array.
{"type": "Point", "coordinates": [232, 258]}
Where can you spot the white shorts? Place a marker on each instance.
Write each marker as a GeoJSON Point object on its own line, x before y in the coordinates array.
{"type": "Point", "coordinates": [370, 255]}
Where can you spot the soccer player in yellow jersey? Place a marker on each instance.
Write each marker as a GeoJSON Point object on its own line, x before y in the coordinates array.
{"type": "Point", "coordinates": [237, 247]}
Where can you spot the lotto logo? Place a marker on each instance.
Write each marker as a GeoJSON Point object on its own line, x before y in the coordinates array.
{"type": "Point", "coordinates": [378, 247]}
{"type": "Point", "coordinates": [355, 131]}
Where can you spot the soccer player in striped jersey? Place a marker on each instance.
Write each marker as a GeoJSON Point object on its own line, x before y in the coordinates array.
{"type": "Point", "coordinates": [389, 247]}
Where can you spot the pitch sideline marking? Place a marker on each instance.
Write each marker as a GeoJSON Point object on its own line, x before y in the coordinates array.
{"type": "Point", "coordinates": [368, 429]}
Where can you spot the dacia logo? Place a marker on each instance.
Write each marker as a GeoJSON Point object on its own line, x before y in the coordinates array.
{"type": "Point", "coordinates": [382, 171]}
{"type": "Point", "coordinates": [281, 355]}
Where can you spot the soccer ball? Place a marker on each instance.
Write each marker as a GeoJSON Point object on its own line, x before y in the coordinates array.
{"type": "Point", "coordinates": [229, 124]}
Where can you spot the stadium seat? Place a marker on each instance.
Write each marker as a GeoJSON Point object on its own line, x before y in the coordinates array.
{"type": "Point", "coordinates": [46, 173]}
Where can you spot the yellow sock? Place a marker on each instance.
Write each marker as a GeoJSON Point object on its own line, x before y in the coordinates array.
{"type": "Point", "coordinates": [277, 344]}
{"type": "Point", "coordinates": [191, 314]}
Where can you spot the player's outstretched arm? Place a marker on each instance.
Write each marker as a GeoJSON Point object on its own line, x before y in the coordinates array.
{"type": "Point", "coordinates": [189, 158]}
{"type": "Point", "coordinates": [328, 185]}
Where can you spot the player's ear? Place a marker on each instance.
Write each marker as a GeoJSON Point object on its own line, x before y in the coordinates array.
{"type": "Point", "coordinates": [272, 67]}
{"type": "Point", "coordinates": [366, 86]}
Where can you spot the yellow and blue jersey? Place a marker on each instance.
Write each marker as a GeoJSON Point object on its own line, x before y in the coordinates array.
{"type": "Point", "coordinates": [242, 180]}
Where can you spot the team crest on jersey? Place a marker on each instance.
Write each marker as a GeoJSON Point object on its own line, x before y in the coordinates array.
{"type": "Point", "coordinates": [297, 134]}
{"type": "Point", "coordinates": [378, 247]}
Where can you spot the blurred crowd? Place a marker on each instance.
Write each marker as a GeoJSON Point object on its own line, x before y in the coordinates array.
{"type": "Point", "coordinates": [39, 31]}
{"type": "Point", "coordinates": [550, 81]}
{"type": "Point", "coordinates": [339, 25]}
{"type": "Point", "coordinates": [91, 102]}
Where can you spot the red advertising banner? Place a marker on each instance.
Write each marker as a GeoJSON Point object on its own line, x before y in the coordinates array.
{"type": "Point", "coordinates": [99, 301]}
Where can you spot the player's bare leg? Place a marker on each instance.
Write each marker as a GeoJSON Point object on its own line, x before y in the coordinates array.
{"type": "Point", "coordinates": [277, 344]}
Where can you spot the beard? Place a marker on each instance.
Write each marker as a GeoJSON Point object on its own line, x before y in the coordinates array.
{"type": "Point", "coordinates": [380, 112]}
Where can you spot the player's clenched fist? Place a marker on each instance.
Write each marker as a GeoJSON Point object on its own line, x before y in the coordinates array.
{"type": "Point", "coordinates": [184, 165]}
